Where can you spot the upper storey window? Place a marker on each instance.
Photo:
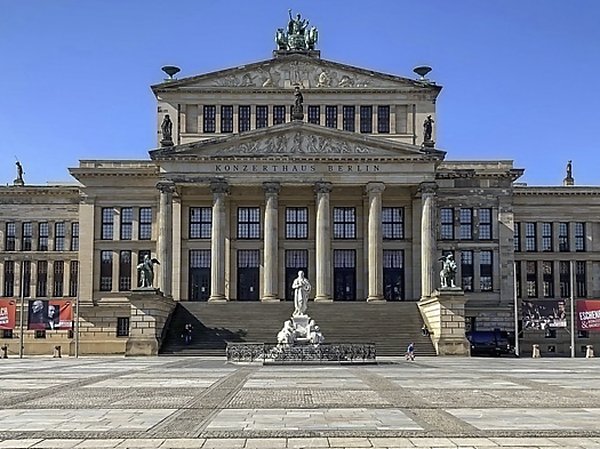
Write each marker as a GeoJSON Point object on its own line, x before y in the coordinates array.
{"type": "Point", "coordinates": [43, 231]}
{"type": "Point", "coordinates": [485, 224]}
{"type": "Point", "coordinates": [27, 236]}
{"type": "Point", "coordinates": [331, 116]}
{"type": "Point", "coordinates": [227, 119]}
{"type": "Point", "coordinates": [447, 223]}
{"type": "Point", "coordinates": [107, 223]}
{"type": "Point", "coordinates": [314, 114]}
{"type": "Point", "coordinates": [383, 119]}
{"type": "Point", "coordinates": [366, 119]}
{"type": "Point", "coordinates": [200, 222]}
{"type": "Point", "coordinates": [11, 236]}
{"type": "Point", "coordinates": [344, 223]}
{"type": "Point", "coordinates": [262, 116]}
{"type": "Point", "coordinates": [244, 118]}
{"type": "Point", "coordinates": [209, 121]}
{"type": "Point", "coordinates": [530, 237]}
{"type": "Point", "coordinates": [393, 223]}
{"type": "Point", "coordinates": [145, 223]}
{"type": "Point", "coordinates": [466, 224]}
{"type": "Point", "coordinates": [248, 223]}
{"type": "Point", "coordinates": [278, 115]}
{"type": "Point", "coordinates": [348, 117]}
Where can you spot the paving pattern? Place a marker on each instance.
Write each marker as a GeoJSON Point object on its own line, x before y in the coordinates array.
{"type": "Point", "coordinates": [206, 403]}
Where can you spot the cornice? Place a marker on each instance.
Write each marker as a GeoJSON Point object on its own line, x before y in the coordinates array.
{"type": "Point", "coordinates": [40, 191]}
{"type": "Point", "coordinates": [557, 191]}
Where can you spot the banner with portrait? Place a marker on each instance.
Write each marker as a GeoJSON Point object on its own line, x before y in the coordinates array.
{"type": "Point", "coordinates": [544, 314]}
{"type": "Point", "coordinates": [588, 314]}
{"type": "Point", "coordinates": [8, 313]}
{"type": "Point", "coordinates": [53, 314]}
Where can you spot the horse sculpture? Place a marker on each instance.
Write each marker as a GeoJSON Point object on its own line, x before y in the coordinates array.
{"type": "Point", "coordinates": [448, 272]}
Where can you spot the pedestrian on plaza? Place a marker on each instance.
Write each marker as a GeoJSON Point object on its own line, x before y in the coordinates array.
{"type": "Point", "coordinates": [410, 351]}
{"type": "Point", "coordinates": [187, 333]}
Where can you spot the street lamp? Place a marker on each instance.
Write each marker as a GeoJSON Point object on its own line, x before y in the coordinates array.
{"type": "Point", "coordinates": [22, 314]}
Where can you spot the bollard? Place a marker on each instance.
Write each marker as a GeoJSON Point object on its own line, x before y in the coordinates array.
{"type": "Point", "coordinates": [4, 353]}
{"type": "Point", "coordinates": [57, 352]}
{"type": "Point", "coordinates": [589, 352]}
{"type": "Point", "coordinates": [535, 352]}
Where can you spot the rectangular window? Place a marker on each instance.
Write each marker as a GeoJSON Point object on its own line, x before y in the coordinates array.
{"type": "Point", "coordinates": [486, 271]}
{"type": "Point", "coordinates": [7, 333]}
{"type": "Point", "coordinates": [106, 262]}
{"type": "Point", "coordinates": [191, 118]}
{"type": "Point", "coordinates": [262, 116]}
{"type": "Point", "coordinates": [563, 237]}
{"type": "Point", "coordinates": [278, 114]}
{"type": "Point", "coordinates": [314, 114]}
{"type": "Point", "coordinates": [344, 258]}
{"type": "Point", "coordinates": [248, 258]}
{"type": "Point", "coordinates": [227, 119]}
{"type": "Point", "coordinates": [73, 278]}
{"type": "Point", "coordinates": [75, 236]}
{"type": "Point", "coordinates": [27, 236]}
{"type": "Point", "coordinates": [517, 237]}
{"type": "Point", "coordinates": [392, 223]}
{"type": "Point", "coordinates": [296, 258]}
{"type": "Point", "coordinates": [466, 224]}
{"type": "Point", "coordinates": [123, 326]}
{"type": "Point", "coordinates": [548, 279]}
{"type": "Point", "coordinates": [564, 278]}
{"type": "Point", "coordinates": [579, 236]}
{"type": "Point", "coordinates": [9, 278]}
{"type": "Point", "coordinates": [531, 267]}
{"type": "Point", "coordinates": [331, 116]}
{"type": "Point", "coordinates": [530, 237]}
{"type": "Point", "coordinates": [42, 279]}
{"type": "Point", "coordinates": [26, 287]}
{"type": "Point", "coordinates": [348, 113]}
{"type": "Point", "coordinates": [200, 222]}
{"type": "Point", "coordinates": [447, 223]}
{"type": "Point", "coordinates": [466, 269]}
{"type": "Point", "coordinates": [248, 223]}
{"type": "Point", "coordinates": [383, 119]}
{"type": "Point", "coordinates": [11, 237]}
{"type": "Point", "coordinates": [43, 233]}
{"type": "Point", "coordinates": [546, 237]}
{"type": "Point", "coordinates": [580, 284]}
{"type": "Point", "coordinates": [366, 119]}
{"type": "Point", "coordinates": [393, 275]}
{"type": "Point", "coordinates": [107, 223]}
{"type": "Point", "coordinates": [296, 223]}
{"type": "Point", "coordinates": [209, 119]}
{"type": "Point", "coordinates": [145, 223]}
{"type": "Point", "coordinates": [59, 278]}
{"type": "Point", "coordinates": [485, 224]}
{"type": "Point", "coordinates": [125, 271]}
{"type": "Point", "coordinates": [126, 223]}
{"type": "Point", "coordinates": [344, 223]}
{"type": "Point", "coordinates": [59, 236]}
{"type": "Point", "coordinates": [244, 118]}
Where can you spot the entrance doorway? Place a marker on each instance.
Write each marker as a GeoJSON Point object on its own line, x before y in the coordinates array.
{"type": "Point", "coordinates": [295, 260]}
{"type": "Point", "coordinates": [344, 275]}
{"type": "Point", "coordinates": [393, 275]}
{"type": "Point", "coordinates": [199, 278]}
{"type": "Point", "coordinates": [248, 275]}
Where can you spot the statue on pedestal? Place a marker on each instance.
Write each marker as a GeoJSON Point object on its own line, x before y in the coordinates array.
{"type": "Point", "coordinates": [146, 270]}
{"type": "Point", "coordinates": [297, 36]}
{"type": "Point", "coordinates": [19, 179]}
{"type": "Point", "coordinates": [298, 108]}
{"type": "Point", "coordinates": [428, 129]}
{"type": "Point", "coordinates": [166, 128]}
{"type": "Point", "coordinates": [448, 272]}
{"type": "Point", "coordinates": [301, 288]}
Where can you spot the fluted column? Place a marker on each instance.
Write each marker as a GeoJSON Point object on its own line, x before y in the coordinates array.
{"type": "Point", "coordinates": [271, 248]}
{"type": "Point", "coordinates": [217, 244]}
{"type": "Point", "coordinates": [165, 235]}
{"type": "Point", "coordinates": [323, 243]}
{"type": "Point", "coordinates": [428, 240]}
{"type": "Point", "coordinates": [375, 270]}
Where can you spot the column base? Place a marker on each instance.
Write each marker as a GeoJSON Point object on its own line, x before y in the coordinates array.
{"type": "Point", "coordinates": [323, 299]}
{"type": "Point", "coordinates": [217, 299]}
{"type": "Point", "coordinates": [270, 299]}
{"type": "Point", "coordinates": [376, 299]}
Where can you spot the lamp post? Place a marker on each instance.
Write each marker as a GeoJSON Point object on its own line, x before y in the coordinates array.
{"type": "Point", "coordinates": [572, 306]}
{"type": "Point", "coordinates": [22, 314]}
{"type": "Point", "coordinates": [77, 300]}
{"type": "Point", "coordinates": [516, 310]}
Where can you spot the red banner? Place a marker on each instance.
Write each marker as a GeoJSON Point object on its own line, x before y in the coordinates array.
{"type": "Point", "coordinates": [588, 314]}
{"type": "Point", "coordinates": [8, 313]}
{"type": "Point", "coordinates": [51, 314]}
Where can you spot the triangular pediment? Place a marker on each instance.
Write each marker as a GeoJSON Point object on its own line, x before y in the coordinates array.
{"type": "Point", "coordinates": [289, 71]}
{"type": "Point", "coordinates": [295, 140]}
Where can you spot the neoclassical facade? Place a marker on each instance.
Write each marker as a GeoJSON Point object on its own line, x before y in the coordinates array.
{"type": "Point", "coordinates": [240, 194]}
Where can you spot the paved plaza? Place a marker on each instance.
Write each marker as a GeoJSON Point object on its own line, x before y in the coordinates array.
{"type": "Point", "coordinates": [170, 402]}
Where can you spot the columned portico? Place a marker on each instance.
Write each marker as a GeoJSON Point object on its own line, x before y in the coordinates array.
{"type": "Point", "coordinates": [428, 240]}
{"type": "Point", "coordinates": [323, 242]}
{"type": "Point", "coordinates": [217, 246]}
{"type": "Point", "coordinates": [271, 238]}
{"type": "Point", "coordinates": [375, 190]}
{"type": "Point", "coordinates": [165, 236]}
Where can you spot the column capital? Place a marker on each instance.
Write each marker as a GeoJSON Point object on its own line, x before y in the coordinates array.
{"type": "Point", "coordinates": [427, 188]}
{"type": "Point", "coordinates": [271, 187]}
{"type": "Point", "coordinates": [323, 187]}
{"type": "Point", "coordinates": [219, 186]}
{"type": "Point", "coordinates": [166, 186]}
{"type": "Point", "coordinates": [375, 187]}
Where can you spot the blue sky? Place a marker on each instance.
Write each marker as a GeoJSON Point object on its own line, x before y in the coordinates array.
{"type": "Point", "coordinates": [519, 77]}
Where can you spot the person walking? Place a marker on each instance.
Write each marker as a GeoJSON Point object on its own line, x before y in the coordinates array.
{"type": "Point", "coordinates": [410, 351]}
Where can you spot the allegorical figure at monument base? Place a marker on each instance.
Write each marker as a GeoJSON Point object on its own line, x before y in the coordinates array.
{"type": "Point", "coordinates": [146, 270]}
{"type": "Point", "coordinates": [448, 272]}
{"type": "Point", "coordinates": [301, 288]}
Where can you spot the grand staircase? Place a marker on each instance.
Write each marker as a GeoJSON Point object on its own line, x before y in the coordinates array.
{"type": "Point", "coordinates": [391, 326]}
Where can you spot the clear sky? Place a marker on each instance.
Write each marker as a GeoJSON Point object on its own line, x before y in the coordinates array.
{"type": "Point", "coordinates": [520, 77]}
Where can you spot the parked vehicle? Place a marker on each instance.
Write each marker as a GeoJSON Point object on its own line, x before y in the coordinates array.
{"type": "Point", "coordinates": [494, 343]}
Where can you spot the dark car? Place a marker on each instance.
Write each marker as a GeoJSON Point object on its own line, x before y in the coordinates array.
{"type": "Point", "coordinates": [494, 343]}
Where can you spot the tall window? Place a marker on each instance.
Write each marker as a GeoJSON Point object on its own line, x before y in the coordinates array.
{"type": "Point", "coordinates": [546, 236]}
{"type": "Point", "coordinates": [59, 278]}
{"type": "Point", "coordinates": [44, 230]}
{"type": "Point", "coordinates": [466, 224]}
{"type": "Point", "coordinates": [125, 270]}
{"type": "Point", "coordinates": [199, 274]}
{"type": "Point", "coordinates": [517, 237]}
{"type": "Point", "coordinates": [466, 269]}
{"type": "Point", "coordinates": [383, 119]}
{"type": "Point", "coordinates": [296, 223]}
{"type": "Point", "coordinates": [485, 224]}
{"type": "Point", "coordinates": [59, 236]}
{"type": "Point", "coordinates": [123, 326]}
{"type": "Point", "coordinates": [344, 223]}
{"type": "Point", "coordinates": [75, 236]}
{"type": "Point", "coordinates": [145, 223]}
{"type": "Point", "coordinates": [563, 237]}
{"type": "Point", "coordinates": [191, 118]}
{"type": "Point", "coordinates": [579, 236]}
{"type": "Point", "coordinates": [314, 114]}
{"type": "Point", "coordinates": [26, 287]}
{"type": "Point", "coordinates": [262, 116]}
{"type": "Point", "coordinates": [126, 223]}
{"type": "Point", "coordinates": [580, 284]}
{"type": "Point", "coordinates": [331, 116]}
{"type": "Point", "coordinates": [73, 278]}
{"type": "Point", "coordinates": [200, 222]}
{"type": "Point", "coordinates": [393, 275]}
{"type": "Point", "coordinates": [530, 237]}
{"type": "Point", "coordinates": [248, 223]}
{"type": "Point", "coordinates": [548, 279]}
{"type": "Point", "coordinates": [107, 223]}
{"type": "Point", "coordinates": [564, 278]}
{"type": "Point", "coordinates": [106, 263]}
{"type": "Point", "coordinates": [447, 223]}
{"type": "Point", "coordinates": [244, 118]}
{"type": "Point", "coordinates": [42, 279]}
{"type": "Point", "coordinates": [393, 223]}
{"type": "Point", "coordinates": [227, 119]}
{"type": "Point", "coordinates": [531, 267]}
{"type": "Point", "coordinates": [366, 119]}
{"type": "Point", "coordinates": [11, 236]}
{"type": "Point", "coordinates": [9, 278]}
{"type": "Point", "coordinates": [278, 114]}
{"type": "Point", "coordinates": [27, 236]}
{"type": "Point", "coordinates": [348, 113]}
{"type": "Point", "coordinates": [209, 119]}
{"type": "Point", "coordinates": [485, 271]}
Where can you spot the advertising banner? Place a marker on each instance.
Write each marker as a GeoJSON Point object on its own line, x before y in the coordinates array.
{"type": "Point", "coordinates": [544, 314]}
{"type": "Point", "coordinates": [53, 314]}
{"type": "Point", "coordinates": [8, 313]}
{"type": "Point", "coordinates": [588, 314]}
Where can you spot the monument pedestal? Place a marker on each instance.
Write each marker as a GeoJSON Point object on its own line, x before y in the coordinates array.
{"type": "Point", "coordinates": [444, 314]}
{"type": "Point", "coordinates": [150, 310]}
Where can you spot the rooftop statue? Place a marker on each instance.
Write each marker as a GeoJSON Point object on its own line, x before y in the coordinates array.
{"type": "Point", "coordinates": [297, 35]}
